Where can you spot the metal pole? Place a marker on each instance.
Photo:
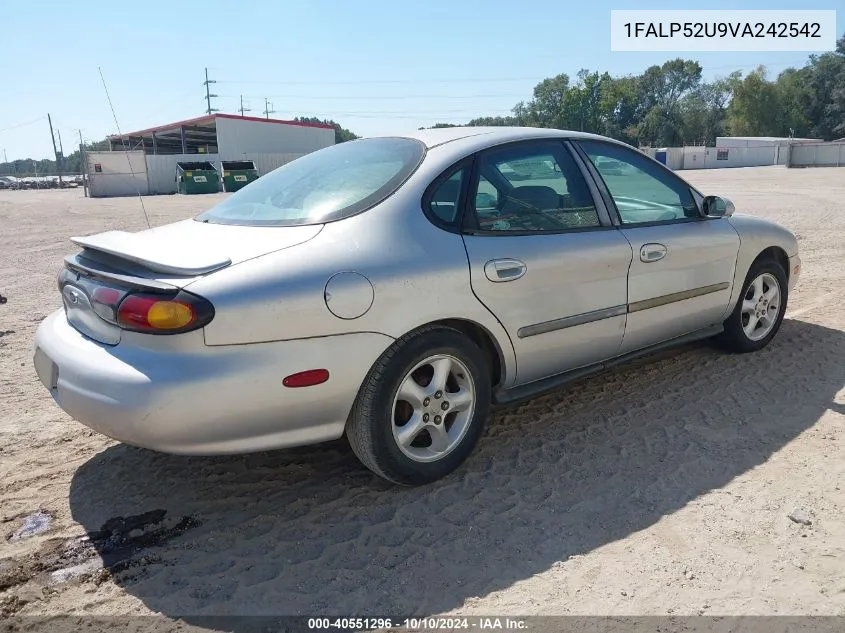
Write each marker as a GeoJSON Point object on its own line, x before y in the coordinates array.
{"type": "Point", "coordinates": [83, 164]}
{"type": "Point", "coordinates": [243, 109]}
{"type": "Point", "coordinates": [61, 152]}
{"type": "Point", "coordinates": [267, 106]}
{"type": "Point", "coordinates": [55, 151]}
{"type": "Point", "coordinates": [207, 93]}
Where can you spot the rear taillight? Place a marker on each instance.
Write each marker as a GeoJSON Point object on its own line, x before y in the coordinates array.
{"type": "Point", "coordinates": [164, 314]}
{"type": "Point", "coordinates": [133, 308]}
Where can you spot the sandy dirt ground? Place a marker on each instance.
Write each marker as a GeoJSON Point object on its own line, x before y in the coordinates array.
{"type": "Point", "coordinates": [663, 487]}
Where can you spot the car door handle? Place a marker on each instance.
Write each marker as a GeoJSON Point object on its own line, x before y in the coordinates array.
{"type": "Point", "coordinates": [652, 253]}
{"type": "Point", "coordinates": [504, 269]}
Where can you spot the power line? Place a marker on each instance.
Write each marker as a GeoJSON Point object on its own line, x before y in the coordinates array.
{"type": "Point", "coordinates": [419, 112]}
{"type": "Point", "coordinates": [473, 115]}
{"type": "Point", "coordinates": [377, 81]}
{"type": "Point", "coordinates": [167, 104]}
{"type": "Point", "coordinates": [462, 80]}
{"type": "Point", "coordinates": [380, 97]}
{"type": "Point", "coordinates": [14, 127]}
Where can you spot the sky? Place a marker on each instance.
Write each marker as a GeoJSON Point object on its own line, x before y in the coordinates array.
{"type": "Point", "coordinates": [376, 66]}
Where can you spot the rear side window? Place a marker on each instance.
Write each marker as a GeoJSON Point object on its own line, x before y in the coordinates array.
{"type": "Point", "coordinates": [531, 187]}
{"type": "Point", "coordinates": [326, 185]}
{"type": "Point", "coordinates": [445, 198]}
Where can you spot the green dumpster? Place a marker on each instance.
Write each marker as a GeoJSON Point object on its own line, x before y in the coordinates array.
{"type": "Point", "coordinates": [237, 174]}
{"type": "Point", "coordinates": [200, 177]}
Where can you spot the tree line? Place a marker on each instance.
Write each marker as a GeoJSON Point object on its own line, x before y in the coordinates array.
{"type": "Point", "coordinates": [672, 105]}
{"type": "Point", "coordinates": [71, 164]}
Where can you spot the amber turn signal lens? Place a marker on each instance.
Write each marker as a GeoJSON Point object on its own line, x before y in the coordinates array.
{"type": "Point", "coordinates": [169, 315]}
{"type": "Point", "coordinates": [161, 313]}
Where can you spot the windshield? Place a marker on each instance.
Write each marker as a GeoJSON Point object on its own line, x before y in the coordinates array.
{"type": "Point", "coordinates": [326, 185]}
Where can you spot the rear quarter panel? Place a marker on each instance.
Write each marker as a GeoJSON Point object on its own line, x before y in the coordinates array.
{"type": "Point", "coordinates": [419, 274]}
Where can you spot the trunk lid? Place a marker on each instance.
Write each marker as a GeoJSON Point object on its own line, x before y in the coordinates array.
{"type": "Point", "coordinates": [189, 248]}
{"type": "Point", "coordinates": [165, 259]}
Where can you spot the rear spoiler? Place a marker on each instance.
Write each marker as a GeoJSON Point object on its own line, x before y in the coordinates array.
{"type": "Point", "coordinates": [141, 249]}
{"type": "Point", "coordinates": [90, 265]}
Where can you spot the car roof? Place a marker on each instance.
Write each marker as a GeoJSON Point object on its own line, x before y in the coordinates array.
{"type": "Point", "coordinates": [492, 135]}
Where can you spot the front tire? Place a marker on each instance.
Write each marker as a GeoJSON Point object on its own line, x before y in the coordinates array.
{"type": "Point", "coordinates": [759, 310]}
{"type": "Point", "coordinates": [422, 407]}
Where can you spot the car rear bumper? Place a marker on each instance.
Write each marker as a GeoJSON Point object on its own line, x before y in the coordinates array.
{"type": "Point", "coordinates": [188, 398]}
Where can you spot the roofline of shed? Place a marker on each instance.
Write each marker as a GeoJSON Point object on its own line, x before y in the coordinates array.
{"type": "Point", "coordinates": [213, 117]}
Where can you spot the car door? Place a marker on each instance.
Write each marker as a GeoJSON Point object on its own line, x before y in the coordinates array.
{"type": "Point", "coordinates": [544, 257]}
{"type": "Point", "coordinates": [683, 266]}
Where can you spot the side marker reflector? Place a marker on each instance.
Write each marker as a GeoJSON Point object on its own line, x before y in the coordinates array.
{"type": "Point", "coordinates": [307, 378]}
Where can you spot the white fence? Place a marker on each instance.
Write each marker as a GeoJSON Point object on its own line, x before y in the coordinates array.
{"type": "Point", "coordinates": [700, 157]}
{"type": "Point", "coordinates": [718, 157]}
{"type": "Point", "coordinates": [116, 173]}
{"type": "Point", "coordinates": [817, 155]}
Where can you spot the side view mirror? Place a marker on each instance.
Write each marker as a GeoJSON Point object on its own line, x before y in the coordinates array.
{"type": "Point", "coordinates": [717, 207]}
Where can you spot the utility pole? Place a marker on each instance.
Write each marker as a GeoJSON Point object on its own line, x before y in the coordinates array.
{"type": "Point", "coordinates": [6, 160]}
{"type": "Point", "coordinates": [83, 162]}
{"type": "Point", "coordinates": [208, 96]}
{"type": "Point", "coordinates": [243, 109]}
{"type": "Point", "coordinates": [267, 106]}
{"type": "Point", "coordinates": [61, 151]}
{"type": "Point", "coordinates": [55, 151]}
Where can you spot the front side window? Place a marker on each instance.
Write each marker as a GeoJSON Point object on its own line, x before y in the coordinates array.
{"type": "Point", "coordinates": [326, 185]}
{"type": "Point", "coordinates": [534, 187]}
{"type": "Point", "coordinates": [642, 190]}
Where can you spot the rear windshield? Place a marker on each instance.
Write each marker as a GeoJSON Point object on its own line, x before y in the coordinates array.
{"type": "Point", "coordinates": [326, 185]}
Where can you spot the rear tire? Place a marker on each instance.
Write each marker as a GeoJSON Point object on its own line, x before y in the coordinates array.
{"type": "Point", "coordinates": [422, 407]}
{"type": "Point", "coordinates": [759, 311]}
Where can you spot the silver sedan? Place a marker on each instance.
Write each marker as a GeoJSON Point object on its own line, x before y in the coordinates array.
{"type": "Point", "coordinates": [391, 289]}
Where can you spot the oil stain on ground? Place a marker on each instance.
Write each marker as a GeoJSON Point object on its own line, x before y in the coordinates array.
{"type": "Point", "coordinates": [121, 543]}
